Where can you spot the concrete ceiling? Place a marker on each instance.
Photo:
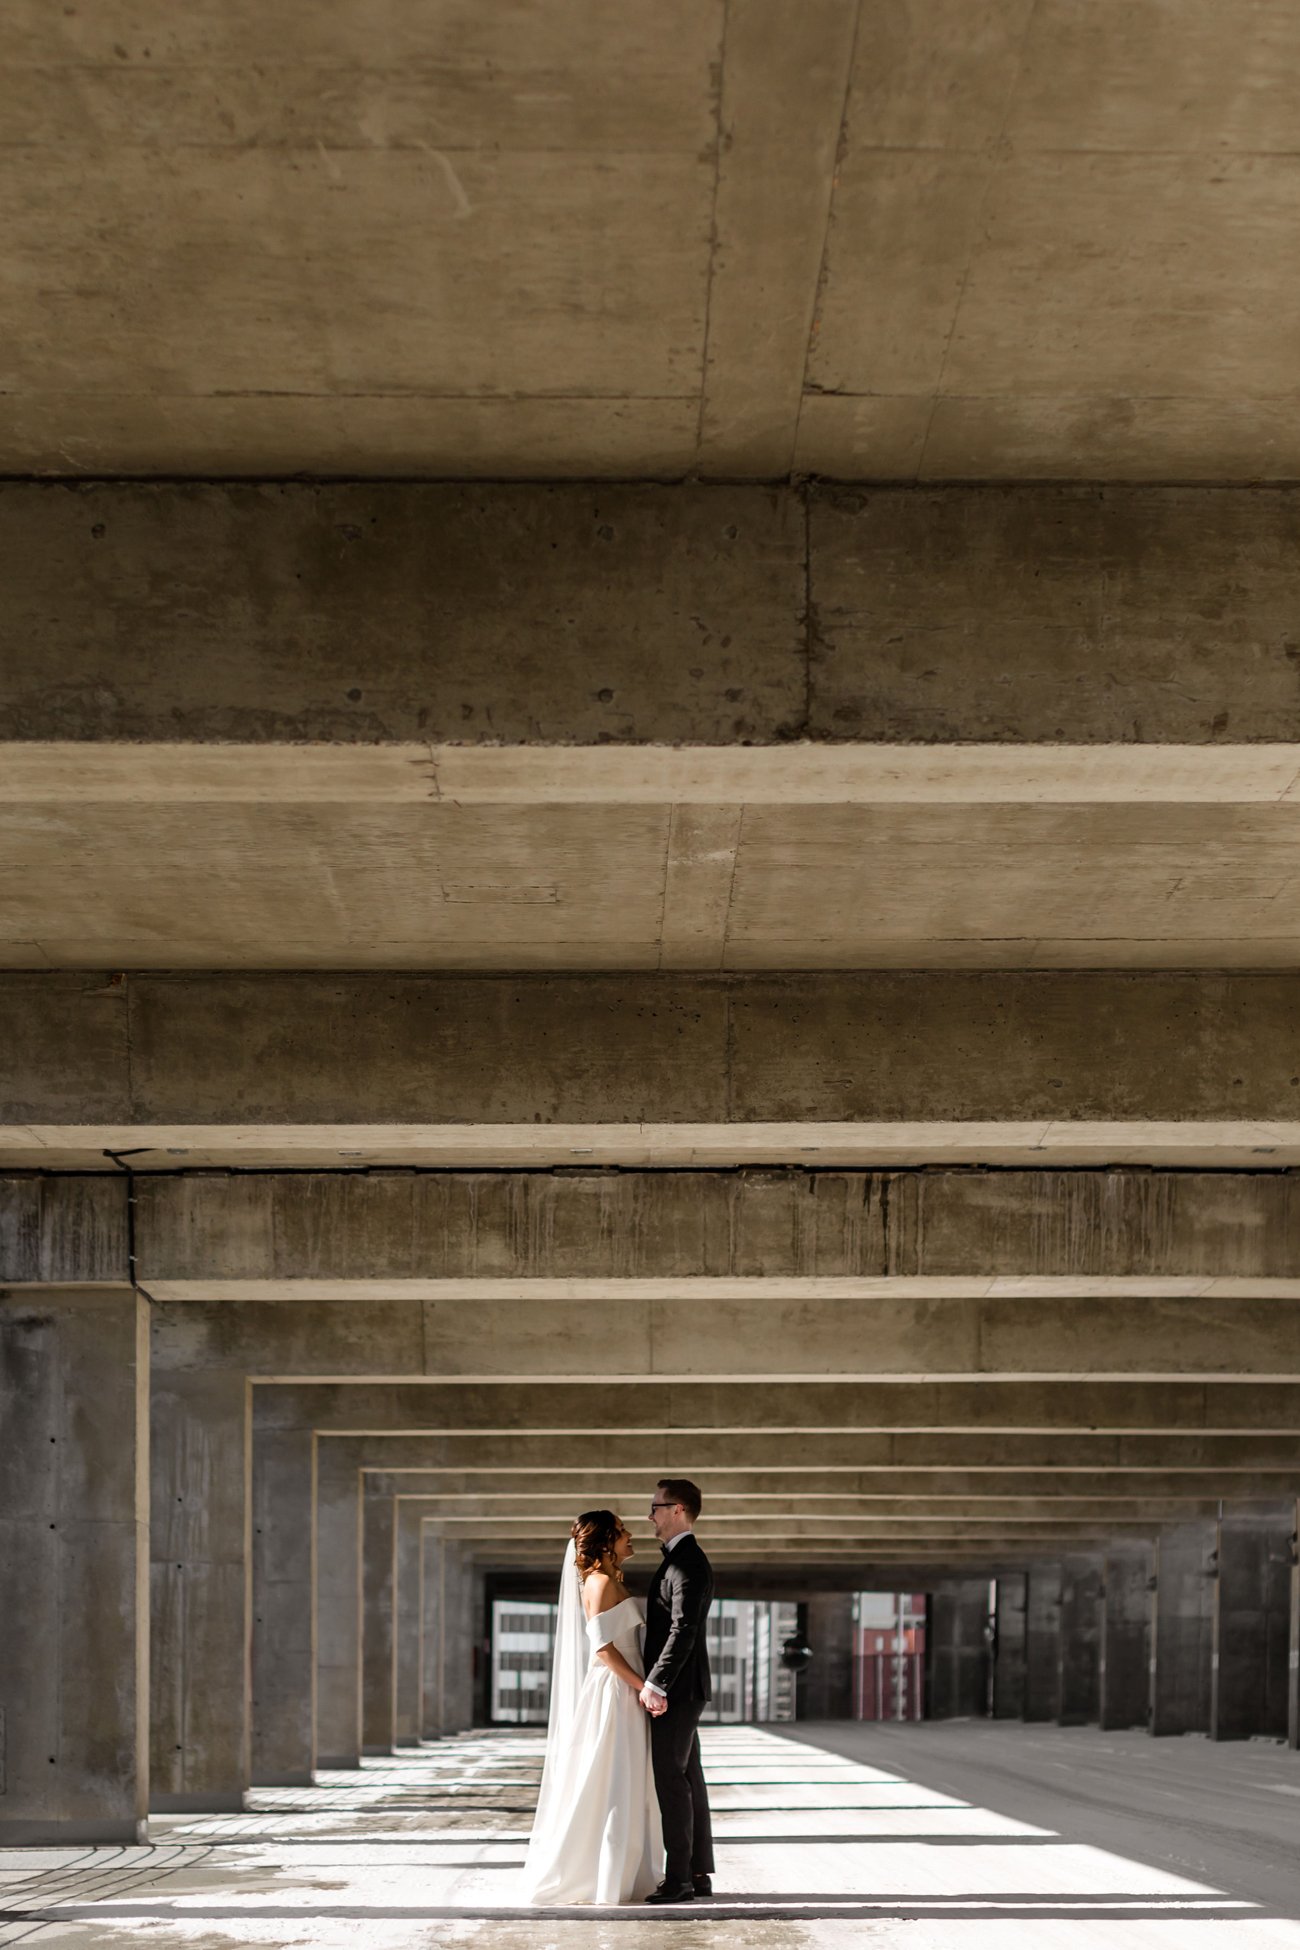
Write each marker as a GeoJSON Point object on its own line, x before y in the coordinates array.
{"type": "Point", "coordinates": [895, 240]}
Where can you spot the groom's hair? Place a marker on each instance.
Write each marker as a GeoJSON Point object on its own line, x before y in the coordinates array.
{"type": "Point", "coordinates": [679, 1489]}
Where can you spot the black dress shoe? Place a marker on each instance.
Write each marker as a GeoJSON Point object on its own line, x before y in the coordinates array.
{"type": "Point", "coordinates": [703, 1885]}
{"type": "Point", "coordinates": [673, 1892]}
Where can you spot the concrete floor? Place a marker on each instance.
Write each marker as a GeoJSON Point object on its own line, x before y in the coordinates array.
{"type": "Point", "coordinates": [848, 1834]}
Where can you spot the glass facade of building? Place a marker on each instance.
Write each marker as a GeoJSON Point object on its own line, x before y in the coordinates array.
{"type": "Point", "coordinates": [744, 1640]}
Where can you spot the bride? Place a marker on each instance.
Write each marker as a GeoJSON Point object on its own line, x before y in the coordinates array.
{"type": "Point", "coordinates": [597, 1836]}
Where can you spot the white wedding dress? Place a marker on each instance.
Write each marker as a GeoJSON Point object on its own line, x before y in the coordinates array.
{"type": "Point", "coordinates": [596, 1836]}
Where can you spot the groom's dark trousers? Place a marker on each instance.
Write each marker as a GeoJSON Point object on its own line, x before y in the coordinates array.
{"type": "Point", "coordinates": [677, 1661]}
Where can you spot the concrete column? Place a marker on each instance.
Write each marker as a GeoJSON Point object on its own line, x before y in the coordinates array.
{"type": "Point", "coordinates": [431, 1614]}
{"type": "Point", "coordinates": [1293, 1639]}
{"type": "Point", "coordinates": [284, 1650]}
{"type": "Point", "coordinates": [957, 1650]}
{"type": "Point", "coordinates": [406, 1626]}
{"type": "Point", "coordinates": [480, 1648]}
{"type": "Point", "coordinates": [1009, 1648]}
{"type": "Point", "coordinates": [458, 1637]}
{"type": "Point", "coordinates": [378, 1580]}
{"type": "Point", "coordinates": [827, 1689]}
{"type": "Point", "coordinates": [1124, 1660]}
{"type": "Point", "coordinates": [1078, 1642]}
{"type": "Point", "coordinates": [1182, 1628]}
{"type": "Point", "coordinates": [74, 1567]}
{"type": "Point", "coordinates": [1252, 1619]}
{"type": "Point", "coordinates": [337, 1599]}
{"type": "Point", "coordinates": [200, 1596]}
{"type": "Point", "coordinates": [1042, 1627]}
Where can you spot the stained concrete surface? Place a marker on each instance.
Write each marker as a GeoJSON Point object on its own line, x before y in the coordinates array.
{"type": "Point", "coordinates": [828, 1834]}
{"type": "Point", "coordinates": [932, 240]}
{"type": "Point", "coordinates": [716, 616]}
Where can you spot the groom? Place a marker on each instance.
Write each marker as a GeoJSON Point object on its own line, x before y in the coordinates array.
{"type": "Point", "coordinates": [677, 1689]}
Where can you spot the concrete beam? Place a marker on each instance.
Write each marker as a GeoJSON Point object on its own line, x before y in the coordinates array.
{"type": "Point", "coordinates": [426, 1234]}
{"type": "Point", "coordinates": [501, 1411]}
{"type": "Point", "coordinates": [741, 1516]}
{"type": "Point", "coordinates": [776, 1338]}
{"type": "Point", "coordinates": [710, 615]}
{"type": "Point", "coordinates": [854, 1460]}
{"type": "Point", "coordinates": [1054, 1067]}
{"type": "Point", "coordinates": [483, 1491]}
{"type": "Point", "coordinates": [757, 1492]}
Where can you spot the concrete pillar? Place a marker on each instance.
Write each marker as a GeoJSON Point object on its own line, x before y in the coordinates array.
{"type": "Point", "coordinates": [1009, 1648]}
{"type": "Point", "coordinates": [1042, 1625]}
{"type": "Point", "coordinates": [480, 1648]}
{"type": "Point", "coordinates": [957, 1650]}
{"type": "Point", "coordinates": [74, 1567]}
{"type": "Point", "coordinates": [337, 1601]}
{"type": "Point", "coordinates": [284, 1650]}
{"type": "Point", "coordinates": [1078, 1642]}
{"type": "Point", "coordinates": [1182, 1628]}
{"type": "Point", "coordinates": [200, 1596]}
{"type": "Point", "coordinates": [378, 1579]}
{"type": "Point", "coordinates": [406, 1624]}
{"type": "Point", "coordinates": [431, 1617]}
{"type": "Point", "coordinates": [826, 1692]}
{"type": "Point", "coordinates": [1293, 1638]}
{"type": "Point", "coordinates": [1124, 1657]}
{"type": "Point", "coordinates": [1252, 1618]}
{"type": "Point", "coordinates": [458, 1640]}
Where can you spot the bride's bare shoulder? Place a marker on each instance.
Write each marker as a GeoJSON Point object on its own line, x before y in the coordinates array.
{"type": "Point", "coordinates": [600, 1593]}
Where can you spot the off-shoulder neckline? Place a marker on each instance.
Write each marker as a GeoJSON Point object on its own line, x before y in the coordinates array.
{"type": "Point", "coordinates": [631, 1599]}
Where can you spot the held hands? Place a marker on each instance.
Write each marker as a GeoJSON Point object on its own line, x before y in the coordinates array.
{"type": "Point", "coordinates": [654, 1703]}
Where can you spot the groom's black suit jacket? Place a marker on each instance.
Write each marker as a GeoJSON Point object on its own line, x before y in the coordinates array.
{"type": "Point", "coordinates": [681, 1591]}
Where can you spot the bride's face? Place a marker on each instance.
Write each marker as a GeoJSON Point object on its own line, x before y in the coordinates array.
{"type": "Point", "coordinates": [622, 1547]}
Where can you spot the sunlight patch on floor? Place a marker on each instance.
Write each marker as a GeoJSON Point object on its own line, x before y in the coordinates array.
{"type": "Point", "coordinates": [425, 1848]}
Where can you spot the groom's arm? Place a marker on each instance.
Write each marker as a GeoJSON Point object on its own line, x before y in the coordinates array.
{"type": "Point", "coordinates": [690, 1585]}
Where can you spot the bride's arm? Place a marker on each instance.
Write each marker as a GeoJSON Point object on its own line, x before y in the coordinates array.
{"type": "Point", "coordinates": [610, 1656]}
{"type": "Point", "coordinates": [595, 1592]}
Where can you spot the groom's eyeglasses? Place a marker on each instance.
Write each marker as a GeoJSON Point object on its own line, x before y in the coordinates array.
{"type": "Point", "coordinates": [663, 1506]}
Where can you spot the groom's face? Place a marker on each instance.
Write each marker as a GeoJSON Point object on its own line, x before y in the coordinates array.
{"type": "Point", "coordinates": [665, 1516]}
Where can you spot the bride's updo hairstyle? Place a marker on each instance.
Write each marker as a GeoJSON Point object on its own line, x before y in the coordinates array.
{"type": "Point", "coordinates": [594, 1537]}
